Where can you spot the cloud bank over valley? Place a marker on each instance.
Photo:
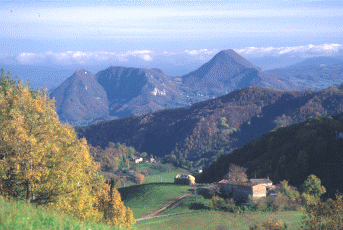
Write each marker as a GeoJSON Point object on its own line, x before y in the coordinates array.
{"type": "Point", "coordinates": [148, 57]}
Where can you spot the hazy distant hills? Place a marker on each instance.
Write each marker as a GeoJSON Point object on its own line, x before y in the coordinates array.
{"type": "Point", "coordinates": [210, 128]}
{"type": "Point", "coordinates": [138, 91]}
{"type": "Point", "coordinates": [313, 73]}
{"type": "Point", "coordinates": [113, 93]}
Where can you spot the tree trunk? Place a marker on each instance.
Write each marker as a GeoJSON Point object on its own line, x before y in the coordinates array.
{"type": "Point", "coordinates": [28, 192]}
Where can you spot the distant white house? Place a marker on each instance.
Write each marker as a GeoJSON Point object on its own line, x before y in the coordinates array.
{"type": "Point", "coordinates": [138, 160]}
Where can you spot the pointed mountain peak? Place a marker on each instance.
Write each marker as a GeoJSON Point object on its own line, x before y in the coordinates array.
{"type": "Point", "coordinates": [230, 56]}
{"type": "Point", "coordinates": [82, 72]}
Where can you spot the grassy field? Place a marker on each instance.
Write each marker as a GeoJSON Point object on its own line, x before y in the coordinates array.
{"type": "Point", "coordinates": [145, 198]}
{"type": "Point", "coordinates": [20, 215]}
{"type": "Point", "coordinates": [158, 172]}
{"type": "Point", "coordinates": [163, 176]}
{"type": "Point", "coordinates": [198, 220]}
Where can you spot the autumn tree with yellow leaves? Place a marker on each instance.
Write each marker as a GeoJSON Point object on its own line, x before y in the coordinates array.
{"type": "Point", "coordinates": [43, 161]}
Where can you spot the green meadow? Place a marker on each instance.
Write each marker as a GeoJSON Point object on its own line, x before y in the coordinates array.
{"type": "Point", "coordinates": [20, 215]}
{"type": "Point", "coordinates": [205, 220]}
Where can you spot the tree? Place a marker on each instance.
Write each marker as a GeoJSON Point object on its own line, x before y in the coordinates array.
{"type": "Point", "coordinates": [236, 173]}
{"type": "Point", "coordinates": [42, 160]}
{"type": "Point", "coordinates": [290, 192]}
{"type": "Point", "coordinates": [312, 186]}
{"type": "Point", "coordinates": [324, 215]}
{"type": "Point", "coordinates": [139, 178]}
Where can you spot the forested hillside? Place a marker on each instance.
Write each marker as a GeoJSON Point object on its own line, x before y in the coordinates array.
{"type": "Point", "coordinates": [210, 128]}
{"type": "Point", "coordinates": [290, 153]}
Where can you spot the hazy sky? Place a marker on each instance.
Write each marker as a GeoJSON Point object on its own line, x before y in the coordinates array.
{"type": "Point", "coordinates": [36, 30]}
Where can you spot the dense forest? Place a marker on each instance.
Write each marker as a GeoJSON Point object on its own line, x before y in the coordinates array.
{"type": "Point", "coordinates": [290, 153]}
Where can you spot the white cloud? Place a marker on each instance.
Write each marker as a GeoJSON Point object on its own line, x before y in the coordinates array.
{"type": "Point", "coordinates": [324, 49]}
{"type": "Point", "coordinates": [201, 51]}
{"type": "Point", "coordinates": [77, 57]}
{"type": "Point", "coordinates": [199, 55]}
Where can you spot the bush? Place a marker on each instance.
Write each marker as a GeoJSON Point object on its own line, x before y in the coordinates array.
{"type": "Point", "coordinates": [258, 204]}
{"type": "Point", "coordinates": [218, 203]}
{"type": "Point", "coordinates": [278, 203]}
{"type": "Point", "coordinates": [269, 224]}
{"type": "Point", "coordinates": [197, 206]}
{"type": "Point", "coordinates": [139, 178]}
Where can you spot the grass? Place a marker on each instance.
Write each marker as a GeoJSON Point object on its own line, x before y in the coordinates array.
{"type": "Point", "coordinates": [159, 171]}
{"type": "Point", "coordinates": [218, 220]}
{"type": "Point", "coordinates": [145, 198]}
{"type": "Point", "coordinates": [20, 215]}
{"type": "Point", "coordinates": [163, 176]}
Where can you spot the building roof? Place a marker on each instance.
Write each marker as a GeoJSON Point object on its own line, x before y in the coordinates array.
{"type": "Point", "coordinates": [248, 183]}
{"type": "Point", "coordinates": [261, 181]}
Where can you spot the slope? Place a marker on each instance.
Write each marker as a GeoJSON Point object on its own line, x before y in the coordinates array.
{"type": "Point", "coordinates": [313, 73]}
{"type": "Point", "coordinates": [291, 153]}
{"type": "Point", "coordinates": [80, 98]}
{"type": "Point", "coordinates": [228, 71]}
{"type": "Point", "coordinates": [217, 126]}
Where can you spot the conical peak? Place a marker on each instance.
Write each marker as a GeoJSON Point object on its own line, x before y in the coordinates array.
{"type": "Point", "coordinates": [230, 56]}
{"type": "Point", "coordinates": [82, 72]}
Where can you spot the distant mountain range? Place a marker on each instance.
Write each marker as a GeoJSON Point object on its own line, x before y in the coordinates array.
{"type": "Point", "coordinates": [138, 91]}
{"type": "Point", "coordinates": [313, 73]}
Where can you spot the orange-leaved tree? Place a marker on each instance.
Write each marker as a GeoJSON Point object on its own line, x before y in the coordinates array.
{"type": "Point", "coordinates": [42, 160]}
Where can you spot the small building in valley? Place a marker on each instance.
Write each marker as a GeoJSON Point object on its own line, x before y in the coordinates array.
{"type": "Point", "coordinates": [138, 160]}
{"type": "Point", "coordinates": [242, 190]}
{"type": "Point", "coordinates": [184, 179]}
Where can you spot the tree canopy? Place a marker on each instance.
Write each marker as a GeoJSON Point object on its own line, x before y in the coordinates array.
{"type": "Point", "coordinates": [43, 161]}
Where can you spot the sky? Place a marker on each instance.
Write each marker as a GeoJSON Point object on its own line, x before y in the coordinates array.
{"type": "Point", "coordinates": [159, 31]}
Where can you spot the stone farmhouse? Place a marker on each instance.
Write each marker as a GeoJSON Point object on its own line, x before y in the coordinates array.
{"type": "Point", "coordinates": [242, 190]}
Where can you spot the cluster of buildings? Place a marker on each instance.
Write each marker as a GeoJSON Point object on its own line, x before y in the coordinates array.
{"type": "Point", "coordinates": [140, 159]}
{"type": "Point", "coordinates": [255, 188]}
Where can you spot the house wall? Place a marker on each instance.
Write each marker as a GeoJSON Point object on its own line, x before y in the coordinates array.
{"type": "Point", "coordinates": [244, 191]}
{"type": "Point", "coordinates": [241, 192]}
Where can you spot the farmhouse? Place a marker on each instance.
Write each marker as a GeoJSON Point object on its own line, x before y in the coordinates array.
{"type": "Point", "coordinates": [242, 190]}
{"type": "Point", "coordinates": [184, 179]}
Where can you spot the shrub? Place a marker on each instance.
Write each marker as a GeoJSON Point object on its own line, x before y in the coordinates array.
{"type": "Point", "coordinates": [197, 206]}
{"type": "Point", "coordinates": [258, 204]}
{"type": "Point", "coordinates": [218, 203]}
{"type": "Point", "coordinates": [269, 224]}
{"type": "Point", "coordinates": [139, 178]}
{"type": "Point", "coordinates": [278, 203]}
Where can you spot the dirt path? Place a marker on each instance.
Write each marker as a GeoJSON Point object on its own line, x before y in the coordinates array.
{"type": "Point", "coordinates": [170, 204]}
